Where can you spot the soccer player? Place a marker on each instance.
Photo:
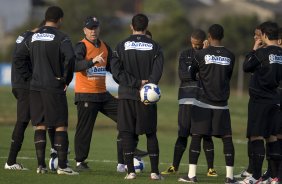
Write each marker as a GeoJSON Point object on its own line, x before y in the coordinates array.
{"type": "Point", "coordinates": [52, 58]}
{"type": "Point", "coordinates": [280, 37]}
{"type": "Point", "coordinates": [91, 96]}
{"type": "Point", "coordinates": [279, 136]}
{"type": "Point", "coordinates": [210, 113]}
{"type": "Point", "coordinates": [248, 172]}
{"type": "Point", "coordinates": [264, 120]}
{"type": "Point", "coordinates": [136, 61]}
{"type": "Point", "coordinates": [92, 62]}
{"type": "Point", "coordinates": [20, 89]}
{"type": "Point", "coordinates": [186, 95]}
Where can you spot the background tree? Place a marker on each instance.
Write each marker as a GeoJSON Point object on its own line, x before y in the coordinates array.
{"type": "Point", "coordinates": [169, 24]}
{"type": "Point", "coordinates": [170, 28]}
{"type": "Point", "coordinates": [105, 11]}
{"type": "Point", "coordinates": [239, 38]}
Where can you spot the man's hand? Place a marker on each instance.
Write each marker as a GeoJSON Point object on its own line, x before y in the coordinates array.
{"type": "Point", "coordinates": [258, 44]}
{"type": "Point", "coordinates": [98, 59]}
{"type": "Point", "coordinates": [206, 44]}
{"type": "Point", "coordinates": [143, 82]}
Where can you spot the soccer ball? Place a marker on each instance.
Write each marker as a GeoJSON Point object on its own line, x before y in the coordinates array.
{"type": "Point", "coordinates": [53, 164]}
{"type": "Point", "coordinates": [139, 164]}
{"type": "Point", "coordinates": [150, 93]}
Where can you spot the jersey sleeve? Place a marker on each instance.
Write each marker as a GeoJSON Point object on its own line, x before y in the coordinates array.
{"type": "Point", "coordinates": [69, 59]}
{"type": "Point", "coordinates": [120, 75]}
{"type": "Point", "coordinates": [194, 69]}
{"type": "Point", "coordinates": [21, 59]}
{"type": "Point", "coordinates": [232, 65]}
{"type": "Point", "coordinates": [109, 58]}
{"type": "Point", "coordinates": [251, 62]}
{"type": "Point", "coordinates": [157, 69]}
{"type": "Point", "coordinates": [184, 66]}
{"type": "Point", "coordinates": [80, 63]}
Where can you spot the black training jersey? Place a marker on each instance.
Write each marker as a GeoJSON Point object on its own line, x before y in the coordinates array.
{"type": "Point", "coordinates": [265, 64]}
{"type": "Point", "coordinates": [214, 66]}
{"type": "Point", "coordinates": [188, 86]}
{"type": "Point", "coordinates": [20, 78]}
{"type": "Point", "coordinates": [280, 94]}
{"type": "Point", "coordinates": [52, 57]}
{"type": "Point", "coordinates": [136, 58]}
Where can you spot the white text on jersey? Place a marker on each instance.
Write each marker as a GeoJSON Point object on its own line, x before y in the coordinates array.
{"type": "Point", "coordinates": [45, 37]}
{"type": "Point", "coordinates": [96, 71]}
{"type": "Point", "coordinates": [275, 59]}
{"type": "Point", "coordinates": [220, 60]}
{"type": "Point", "coordinates": [19, 39]}
{"type": "Point", "coordinates": [137, 45]}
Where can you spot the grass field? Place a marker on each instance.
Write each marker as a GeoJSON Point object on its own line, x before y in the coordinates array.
{"type": "Point", "coordinates": [102, 156]}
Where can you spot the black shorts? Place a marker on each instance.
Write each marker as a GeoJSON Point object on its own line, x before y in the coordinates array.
{"type": "Point", "coordinates": [263, 119]}
{"type": "Point", "coordinates": [23, 109]}
{"type": "Point", "coordinates": [211, 122]}
{"type": "Point", "coordinates": [136, 117]}
{"type": "Point", "coordinates": [49, 109]}
{"type": "Point", "coordinates": [184, 120]}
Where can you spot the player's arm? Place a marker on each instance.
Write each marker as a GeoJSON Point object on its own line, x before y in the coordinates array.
{"type": "Point", "coordinates": [120, 75]}
{"type": "Point", "coordinates": [80, 63]}
{"type": "Point", "coordinates": [157, 69]}
{"type": "Point", "coordinates": [251, 62]}
{"type": "Point", "coordinates": [21, 59]}
{"type": "Point", "coordinates": [110, 55]}
{"type": "Point", "coordinates": [109, 59]}
{"type": "Point", "coordinates": [194, 69]}
{"type": "Point", "coordinates": [69, 59]}
{"type": "Point", "coordinates": [184, 66]}
{"type": "Point", "coordinates": [231, 66]}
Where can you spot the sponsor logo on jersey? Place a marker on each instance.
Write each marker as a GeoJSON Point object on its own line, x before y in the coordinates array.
{"type": "Point", "coordinates": [96, 71]}
{"type": "Point", "coordinates": [131, 45]}
{"type": "Point", "coordinates": [19, 39]}
{"type": "Point", "coordinates": [220, 60]}
{"type": "Point", "coordinates": [275, 59]}
{"type": "Point", "coordinates": [45, 37]}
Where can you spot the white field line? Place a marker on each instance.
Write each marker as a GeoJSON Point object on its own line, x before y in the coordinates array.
{"type": "Point", "coordinates": [114, 161]}
{"type": "Point", "coordinates": [236, 141]}
{"type": "Point", "coordinates": [240, 141]}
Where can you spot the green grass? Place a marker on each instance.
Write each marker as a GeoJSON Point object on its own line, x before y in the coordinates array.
{"type": "Point", "coordinates": [102, 156]}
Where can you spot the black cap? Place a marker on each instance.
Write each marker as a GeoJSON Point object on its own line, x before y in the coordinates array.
{"type": "Point", "coordinates": [91, 22]}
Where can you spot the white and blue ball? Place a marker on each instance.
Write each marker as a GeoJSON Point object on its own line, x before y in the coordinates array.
{"type": "Point", "coordinates": [150, 93]}
{"type": "Point", "coordinates": [53, 164]}
{"type": "Point", "coordinates": [139, 164]}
